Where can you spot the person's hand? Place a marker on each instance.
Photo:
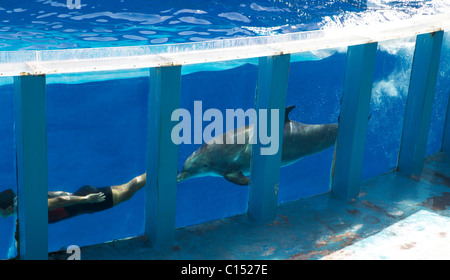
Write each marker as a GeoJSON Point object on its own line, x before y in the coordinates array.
{"type": "Point", "coordinates": [95, 197]}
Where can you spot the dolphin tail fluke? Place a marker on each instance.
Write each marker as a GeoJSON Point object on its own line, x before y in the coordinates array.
{"type": "Point", "coordinates": [237, 178]}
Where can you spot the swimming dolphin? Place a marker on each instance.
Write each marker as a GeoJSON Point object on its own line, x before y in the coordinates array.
{"type": "Point", "coordinates": [232, 161]}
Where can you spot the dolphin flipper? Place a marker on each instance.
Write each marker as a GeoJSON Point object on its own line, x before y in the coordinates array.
{"type": "Point", "coordinates": [237, 178]}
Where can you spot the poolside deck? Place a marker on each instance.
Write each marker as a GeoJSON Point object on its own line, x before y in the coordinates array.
{"type": "Point", "coordinates": [395, 217]}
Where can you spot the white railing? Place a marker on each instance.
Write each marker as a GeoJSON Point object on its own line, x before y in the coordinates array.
{"type": "Point", "coordinates": [16, 63]}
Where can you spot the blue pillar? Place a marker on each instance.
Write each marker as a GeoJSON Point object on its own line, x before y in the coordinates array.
{"type": "Point", "coordinates": [273, 73]}
{"type": "Point", "coordinates": [162, 156]}
{"type": "Point", "coordinates": [349, 153]}
{"type": "Point", "coordinates": [31, 137]}
{"type": "Point", "coordinates": [419, 103]}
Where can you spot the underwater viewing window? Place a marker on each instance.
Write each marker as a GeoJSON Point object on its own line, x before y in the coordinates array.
{"type": "Point", "coordinates": [96, 125]}
{"type": "Point", "coordinates": [440, 102]}
{"type": "Point", "coordinates": [388, 101]}
{"type": "Point", "coordinates": [315, 89]}
{"type": "Point", "coordinates": [96, 131]}
{"type": "Point", "coordinates": [220, 86]}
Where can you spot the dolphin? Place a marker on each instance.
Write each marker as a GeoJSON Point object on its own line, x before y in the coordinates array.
{"type": "Point", "coordinates": [232, 161]}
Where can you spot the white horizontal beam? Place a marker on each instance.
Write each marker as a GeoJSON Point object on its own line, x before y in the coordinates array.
{"type": "Point", "coordinates": [138, 57]}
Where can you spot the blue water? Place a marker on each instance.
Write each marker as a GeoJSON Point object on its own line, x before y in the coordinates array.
{"type": "Point", "coordinates": [50, 24]}
{"type": "Point", "coordinates": [97, 126]}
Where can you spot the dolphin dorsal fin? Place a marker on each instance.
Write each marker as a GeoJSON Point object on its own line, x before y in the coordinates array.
{"type": "Point", "coordinates": [287, 111]}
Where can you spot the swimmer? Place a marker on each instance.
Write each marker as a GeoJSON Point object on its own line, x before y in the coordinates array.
{"type": "Point", "coordinates": [86, 200]}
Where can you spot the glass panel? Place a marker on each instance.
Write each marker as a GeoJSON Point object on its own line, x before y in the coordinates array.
{"type": "Point", "coordinates": [96, 137]}
{"type": "Point", "coordinates": [387, 107]}
{"type": "Point", "coordinates": [8, 182]}
{"type": "Point", "coordinates": [315, 88]}
{"type": "Point", "coordinates": [440, 103]}
{"type": "Point", "coordinates": [221, 86]}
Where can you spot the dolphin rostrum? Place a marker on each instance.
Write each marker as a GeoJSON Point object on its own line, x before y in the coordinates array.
{"type": "Point", "coordinates": [232, 161]}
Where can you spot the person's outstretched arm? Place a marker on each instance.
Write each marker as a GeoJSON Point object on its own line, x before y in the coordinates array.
{"type": "Point", "coordinates": [68, 200]}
